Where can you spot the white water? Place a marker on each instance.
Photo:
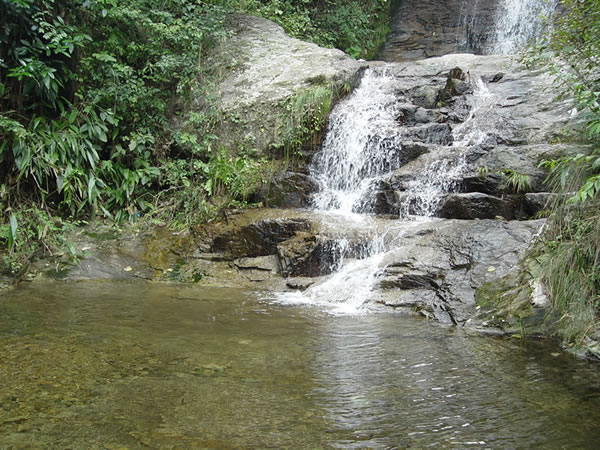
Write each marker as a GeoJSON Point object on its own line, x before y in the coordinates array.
{"type": "Point", "coordinates": [476, 128]}
{"type": "Point", "coordinates": [443, 175]}
{"type": "Point", "coordinates": [516, 22]}
{"type": "Point", "coordinates": [363, 142]}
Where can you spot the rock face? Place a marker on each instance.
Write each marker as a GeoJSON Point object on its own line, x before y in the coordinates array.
{"type": "Point", "coordinates": [428, 28]}
{"type": "Point", "coordinates": [494, 129]}
{"type": "Point", "coordinates": [438, 267]}
{"type": "Point", "coordinates": [264, 67]}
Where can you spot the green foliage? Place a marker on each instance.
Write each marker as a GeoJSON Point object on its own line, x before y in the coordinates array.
{"type": "Point", "coordinates": [357, 27]}
{"type": "Point", "coordinates": [518, 182]}
{"type": "Point", "coordinates": [33, 232]}
{"type": "Point", "coordinates": [306, 117]}
{"type": "Point", "coordinates": [570, 51]}
{"type": "Point", "coordinates": [572, 274]}
{"type": "Point", "coordinates": [511, 179]}
{"type": "Point", "coordinates": [37, 47]}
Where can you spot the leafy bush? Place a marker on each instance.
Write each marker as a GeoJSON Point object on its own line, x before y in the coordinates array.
{"type": "Point", "coordinates": [89, 91]}
{"type": "Point", "coordinates": [570, 51]}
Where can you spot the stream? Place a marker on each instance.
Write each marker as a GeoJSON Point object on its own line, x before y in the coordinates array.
{"type": "Point", "coordinates": [113, 365]}
{"type": "Point", "coordinates": [107, 364]}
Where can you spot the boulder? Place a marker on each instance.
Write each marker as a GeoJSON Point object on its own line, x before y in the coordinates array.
{"type": "Point", "coordinates": [433, 133]}
{"type": "Point", "coordinates": [426, 96]}
{"type": "Point", "coordinates": [263, 67]}
{"type": "Point", "coordinates": [475, 205]}
{"type": "Point", "coordinates": [257, 239]}
{"type": "Point", "coordinates": [309, 255]}
{"type": "Point", "coordinates": [260, 268]}
{"type": "Point", "coordinates": [288, 190]}
{"type": "Point", "coordinates": [435, 269]}
{"type": "Point", "coordinates": [537, 202]}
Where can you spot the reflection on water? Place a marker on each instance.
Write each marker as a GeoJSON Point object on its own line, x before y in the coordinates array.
{"type": "Point", "coordinates": [104, 365]}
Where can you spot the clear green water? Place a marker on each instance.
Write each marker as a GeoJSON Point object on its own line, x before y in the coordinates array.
{"type": "Point", "coordinates": [112, 365]}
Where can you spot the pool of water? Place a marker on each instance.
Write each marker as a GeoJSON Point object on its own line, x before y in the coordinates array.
{"type": "Point", "coordinates": [113, 365]}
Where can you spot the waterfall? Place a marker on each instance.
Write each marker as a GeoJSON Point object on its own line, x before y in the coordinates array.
{"type": "Point", "coordinates": [363, 142]}
{"type": "Point", "coordinates": [516, 23]}
{"type": "Point", "coordinates": [505, 28]}
{"type": "Point", "coordinates": [372, 134]}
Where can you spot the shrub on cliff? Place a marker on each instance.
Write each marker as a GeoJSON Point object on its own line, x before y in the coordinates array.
{"type": "Point", "coordinates": [571, 51]}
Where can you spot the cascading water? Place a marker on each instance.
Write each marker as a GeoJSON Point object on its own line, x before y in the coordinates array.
{"type": "Point", "coordinates": [442, 176]}
{"type": "Point", "coordinates": [516, 22]}
{"type": "Point", "coordinates": [504, 29]}
{"type": "Point", "coordinates": [365, 143]}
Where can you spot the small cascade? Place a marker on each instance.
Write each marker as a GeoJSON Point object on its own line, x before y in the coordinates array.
{"type": "Point", "coordinates": [504, 29]}
{"type": "Point", "coordinates": [362, 143]}
{"type": "Point", "coordinates": [476, 128]}
{"type": "Point", "coordinates": [442, 175]}
{"type": "Point", "coordinates": [426, 191]}
{"type": "Point", "coordinates": [474, 23]}
{"type": "Point", "coordinates": [346, 290]}
{"type": "Point", "coordinates": [516, 22]}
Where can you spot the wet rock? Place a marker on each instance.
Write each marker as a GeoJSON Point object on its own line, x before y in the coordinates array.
{"type": "Point", "coordinates": [426, 96]}
{"type": "Point", "coordinates": [423, 115]}
{"type": "Point", "coordinates": [454, 88]}
{"type": "Point", "coordinates": [257, 239]}
{"type": "Point", "coordinates": [407, 114]}
{"type": "Point", "coordinates": [289, 190]}
{"type": "Point", "coordinates": [497, 77]}
{"type": "Point", "coordinates": [384, 202]}
{"type": "Point", "coordinates": [406, 276]}
{"type": "Point", "coordinates": [307, 255]}
{"type": "Point", "coordinates": [435, 133]}
{"type": "Point", "coordinates": [260, 268]}
{"type": "Point", "coordinates": [436, 269]}
{"type": "Point", "coordinates": [262, 263]}
{"type": "Point", "coordinates": [490, 184]}
{"type": "Point", "coordinates": [538, 202]}
{"type": "Point", "coordinates": [457, 74]}
{"type": "Point", "coordinates": [476, 205]}
{"type": "Point", "coordinates": [299, 283]}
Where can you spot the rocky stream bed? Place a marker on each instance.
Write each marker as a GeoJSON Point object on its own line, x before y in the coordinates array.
{"type": "Point", "coordinates": [462, 125]}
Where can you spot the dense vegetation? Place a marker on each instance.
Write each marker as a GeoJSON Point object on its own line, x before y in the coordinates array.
{"type": "Point", "coordinates": [571, 255]}
{"type": "Point", "coordinates": [88, 93]}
